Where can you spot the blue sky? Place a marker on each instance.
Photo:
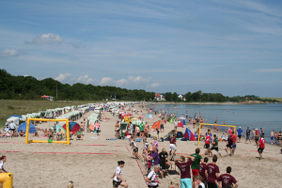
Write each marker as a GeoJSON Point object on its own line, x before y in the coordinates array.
{"type": "Point", "coordinates": [230, 47]}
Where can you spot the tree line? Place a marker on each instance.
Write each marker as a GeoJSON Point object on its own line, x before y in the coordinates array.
{"type": "Point", "coordinates": [198, 96]}
{"type": "Point", "coordinates": [29, 88]}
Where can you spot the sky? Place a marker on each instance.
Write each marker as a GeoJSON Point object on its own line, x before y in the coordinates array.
{"type": "Point", "coordinates": [231, 47]}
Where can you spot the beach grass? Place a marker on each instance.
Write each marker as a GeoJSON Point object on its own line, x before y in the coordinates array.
{"type": "Point", "coordinates": [23, 107]}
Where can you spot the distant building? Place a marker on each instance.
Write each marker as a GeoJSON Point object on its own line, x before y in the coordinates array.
{"type": "Point", "coordinates": [159, 97]}
{"type": "Point", "coordinates": [181, 97]}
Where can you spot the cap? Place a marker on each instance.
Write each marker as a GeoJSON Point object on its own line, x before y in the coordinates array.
{"type": "Point", "coordinates": [240, 127]}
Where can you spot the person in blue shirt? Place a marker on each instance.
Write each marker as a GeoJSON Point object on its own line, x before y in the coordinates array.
{"type": "Point", "coordinates": [239, 134]}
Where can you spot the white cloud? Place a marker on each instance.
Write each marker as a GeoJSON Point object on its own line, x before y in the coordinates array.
{"type": "Point", "coordinates": [49, 38]}
{"type": "Point", "coordinates": [9, 53]}
{"type": "Point", "coordinates": [121, 82]}
{"type": "Point", "coordinates": [154, 85]}
{"type": "Point", "coordinates": [269, 70]}
{"type": "Point", "coordinates": [62, 77]}
{"type": "Point", "coordinates": [106, 81]}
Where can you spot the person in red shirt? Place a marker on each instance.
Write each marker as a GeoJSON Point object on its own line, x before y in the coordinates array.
{"type": "Point", "coordinates": [230, 131]}
{"type": "Point", "coordinates": [261, 146]}
{"type": "Point", "coordinates": [211, 173]}
{"type": "Point", "coordinates": [184, 167]}
{"type": "Point", "coordinates": [202, 169]}
{"type": "Point", "coordinates": [234, 137]}
{"type": "Point", "coordinates": [207, 144]}
{"type": "Point", "coordinates": [227, 179]}
{"type": "Point", "coordinates": [257, 137]}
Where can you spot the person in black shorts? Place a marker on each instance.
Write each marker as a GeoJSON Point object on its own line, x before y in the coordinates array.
{"type": "Point", "coordinates": [229, 144]}
{"type": "Point", "coordinates": [163, 155]}
{"type": "Point", "coordinates": [215, 145]}
{"type": "Point", "coordinates": [162, 128]}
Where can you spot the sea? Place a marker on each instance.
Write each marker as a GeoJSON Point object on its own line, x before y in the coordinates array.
{"type": "Point", "coordinates": [266, 116]}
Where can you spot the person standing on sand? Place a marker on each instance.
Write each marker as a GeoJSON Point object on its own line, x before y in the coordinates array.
{"type": "Point", "coordinates": [184, 167]}
{"type": "Point", "coordinates": [211, 172]}
{"type": "Point", "coordinates": [227, 180]}
{"type": "Point", "coordinates": [239, 134]}
{"type": "Point", "coordinates": [248, 135]}
{"type": "Point", "coordinates": [261, 146]}
{"type": "Point", "coordinates": [254, 133]}
{"type": "Point", "coordinates": [276, 138]}
{"type": "Point", "coordinates": [195, 165]}
{"type": "Point", "coordinates": [234, 137]}
{"type": "Point", "coordinates": [117, 179]}
{"type": "Point", "coordinates": [257, 137]}
{"type": "Point", "coordinates": [117, 129]}
{"type": "Point", "coordinates": [172, 146]}
{"type": "Point", "coordinates": [215, 146]}
{"type": "Point", "coordinates": [202, 169]}
{"type": "Point", "coordinates": [262, 131]}
{"type": "Point", "coordinates": [279, 138]}
{"type": "Point", "coordinates": [272, 136]}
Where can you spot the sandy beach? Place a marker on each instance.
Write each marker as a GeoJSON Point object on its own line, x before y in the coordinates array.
{"type": "Point", "coordinates": [91, 162]}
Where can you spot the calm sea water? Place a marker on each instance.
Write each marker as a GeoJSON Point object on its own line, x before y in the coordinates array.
{"type": "Point", "coordinates": [266, 116]}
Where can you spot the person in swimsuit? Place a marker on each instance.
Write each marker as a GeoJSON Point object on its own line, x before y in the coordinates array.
{"type": "Point", "coordinates": [117, 179]}
{"type": "Point", "coordinates": [280, 138]}
{"type": "Point", "coordinates": [21, 133]}
{"type": "Point", "coordinates": [276, 138]}
{"type": "Point", "coordinates": [117, 129]}
{"type": "Point", "coordinates": [59, 135]}
{"type": "Point", "coordinates": [272, 136]}
{"type": "Point", "coordinates": [134, 147]}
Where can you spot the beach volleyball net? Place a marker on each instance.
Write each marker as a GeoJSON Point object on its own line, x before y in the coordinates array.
{"type": "Point", "coordinates": [212, 127]}
{"type": "Point", "coordinates": [28, 125]}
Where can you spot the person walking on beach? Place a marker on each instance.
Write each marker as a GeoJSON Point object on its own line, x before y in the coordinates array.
{"type": "Point", "coordinates": [254, 134]}
{"type": "Point", "coordinates": [172, 146]}
{"type": "Point", "coordinates": [272, 136]}
{"type": "Point", "coordinates": [261, 146]}
{"type": "Point", "coordinates": [117, 179]}
{"type": "Point", "coordinates": [211, 172]}
{"type": "Point", "coordinates": [184, 167]}
{"type": "Point", "coordinates": [248, 135]}
{"type": "Point", "coordinates": [227, 180]}
{"type": "Point", "coordinates": [152, 178]}
{"type": "Point", "coordinates": [239, 134]}
{"type": "Point", "coordinates": [134, 147]}
{"type": "Point", "coordinates": [257, 137]}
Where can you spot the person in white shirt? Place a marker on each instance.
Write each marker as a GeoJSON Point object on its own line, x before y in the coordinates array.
{"type": "Point", "coordinates": [152, 177]}
{"type": "Point", "coordinates": [2, 160]}
{"type": "Point", "coordinates": [12, 127]}
{"type": "Point", "coordinates": [199, 182]}
{"type": "Point", "coordinates": [117, 179]}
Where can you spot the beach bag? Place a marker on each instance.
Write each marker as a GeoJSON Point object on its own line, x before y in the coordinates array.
{"type": "Point", "coordinates": [179, 135]}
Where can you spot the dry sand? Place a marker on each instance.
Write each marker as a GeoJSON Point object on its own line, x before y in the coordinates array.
{"type": "Point", "coordinates": [91, 162]}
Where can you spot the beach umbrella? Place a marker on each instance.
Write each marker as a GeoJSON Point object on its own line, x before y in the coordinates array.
{"type": "Point", "coordinates": [44, 96]}
{"type": "Point", "coordinates": [182, 118]}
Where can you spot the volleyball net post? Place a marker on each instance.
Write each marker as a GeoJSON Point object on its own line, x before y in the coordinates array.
{"type": "Point", "coordinates": [46, 141]}
{"type": "Point", "coordinates": [201, 125]}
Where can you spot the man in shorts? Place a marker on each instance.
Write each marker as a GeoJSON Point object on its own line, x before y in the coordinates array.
{"type": "Point", "coordinates": [256, 136]}
{"type": "Point", "coordinates": [239, 134]}
{"type": "Point", "coordinates": [184, 167]}
{"type": "Point", "coordinates": [234, 137]}
{"type": "Point", "coordinates": [196, 163]}
{"type": "Point", "coordinates": [248, 135]}
{"type": "Point", "coordinates": [215, 145]}
{"type": "Point", "coordinates": [172, 146]}
{"type": "Point", "coordinates": [227, 180]}
{"type": "Point", "coordinates": [229, 144]}
{"type": "Point", "coordinates": [12, 127]}
{"type": "Point", "coordinates": [211, 172]}
{"type": "Point", "coordinates": [261, 146]}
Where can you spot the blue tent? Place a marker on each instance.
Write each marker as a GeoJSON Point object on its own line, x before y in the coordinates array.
{"type": "Point", "coordinates": [15, 116]}
{"type": "Point", "coordinates": [23, 127]}
{"type": "Point", "coordinates": [149, 116]}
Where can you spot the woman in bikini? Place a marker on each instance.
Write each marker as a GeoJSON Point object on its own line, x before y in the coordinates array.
{"type": "Point", "coordinates": [45, 133]}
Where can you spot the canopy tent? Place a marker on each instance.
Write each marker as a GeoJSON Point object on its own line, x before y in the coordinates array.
{"type": "Point", "coordinates": [58, 127]}
{"type": "Point", "coordinates": [180, 124]}
{"type": "Point", "coordinates": [15, 116]}
{"type": "Point", "coordinates": [44, 96]}
{"type": "Point", "coordinates": [16, 120]}
{"type": "Point", "coordinates": [22, 127]}
{"type": "Point", "coordinates": [189, 135]}
{"type": "Point", "coordinates": [157, 124]}
{"type": "Point", "coordinates": [74, 127]}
